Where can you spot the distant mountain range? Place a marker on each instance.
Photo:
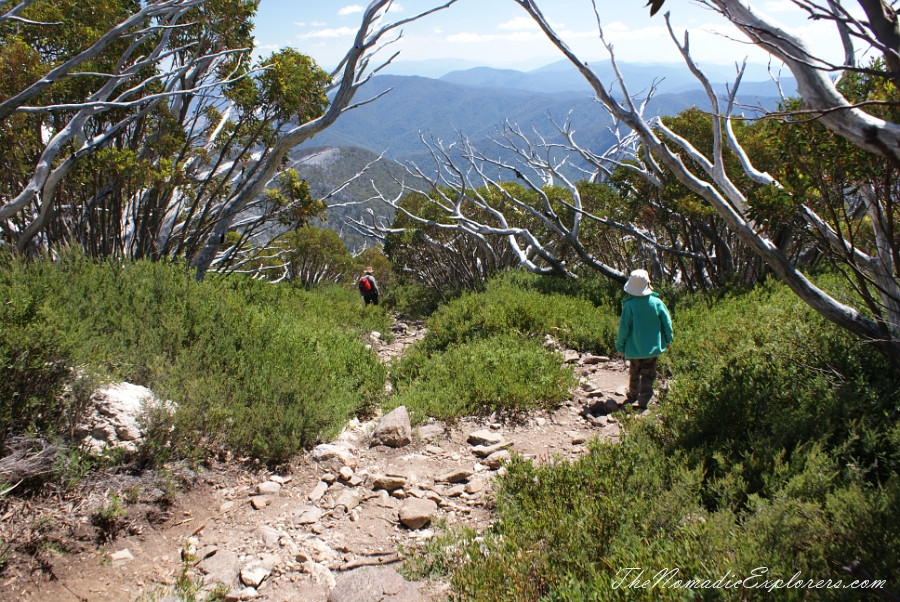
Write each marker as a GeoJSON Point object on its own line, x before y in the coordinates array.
{"type": "Point", "coordinates": [475, 103]}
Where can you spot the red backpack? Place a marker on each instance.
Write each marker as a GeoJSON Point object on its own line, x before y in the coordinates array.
{"type": "Point", "coordinates": [365, 285]}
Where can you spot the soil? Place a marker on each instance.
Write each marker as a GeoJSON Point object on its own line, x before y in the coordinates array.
{"type": "Point", "coordinates": [64, 548]}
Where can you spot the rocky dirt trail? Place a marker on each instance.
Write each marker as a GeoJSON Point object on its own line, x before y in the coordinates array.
{"type": "Point", "coordinates": [335, 524]}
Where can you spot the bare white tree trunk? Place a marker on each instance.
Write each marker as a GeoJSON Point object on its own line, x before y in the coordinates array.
{"type": "Point", "coordinates": [369, 38]}
{"type": "Point", "coordinates": [714, 185]}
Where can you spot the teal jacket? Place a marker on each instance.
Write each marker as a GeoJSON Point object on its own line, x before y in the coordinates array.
{"type": "Point", "coordinates": [645, 328]}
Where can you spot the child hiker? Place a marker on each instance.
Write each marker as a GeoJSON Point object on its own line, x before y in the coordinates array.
{"type": "Point", "coordinates": [645, 330]}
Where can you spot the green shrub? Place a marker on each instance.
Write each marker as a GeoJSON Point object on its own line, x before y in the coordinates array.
{"type": "Point", "coordinates": [412, 301]}
{"type": "Point", "coordinates": [265, 369]}
{"type": "Point", "coordinates": [33, 368]}
{"type": "Point", "coordinates": [504, 372]}
{"type": "Point", "coordinates": [516, 303]}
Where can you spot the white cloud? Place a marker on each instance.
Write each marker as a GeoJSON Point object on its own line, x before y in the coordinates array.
{"type": "Point", "coordinates": [396, 7]}
{"type": "Point", "coordinates": [299, 23]}
{"type": "Point", "coordinates": [620, 31]}
{"type": "Point", "coordinates": [518, 24]}
{"type": "Point", "coordinates": [350, 9]}
{"type": "Point", "coordinates": [318, 24]}
{"type": "Point", "coordinates": [331, 32]}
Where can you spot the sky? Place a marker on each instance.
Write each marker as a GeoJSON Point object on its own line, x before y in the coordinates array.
{"type": "Point", "coordinates": [498, 33]}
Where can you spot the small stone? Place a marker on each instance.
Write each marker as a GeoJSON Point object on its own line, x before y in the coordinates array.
{"type": "Point", "coordinates": [206, 551]}
{"type": "Point", "coordinates": [270, 561]}
{"type": "Point", "coordinates": [475, 486]}
{"type": "Point", "coordinates": [599, 420]}
{"type": "Point", "coordinates": [355, 481]}
{"type": "Point", "coordinates": [394, 429]}
{"type": "Point", "coordinates": [484, 437]}
{"type": "Point", "coordinates": [320, 573]}
{"type": "Point", "coordinates": [456, 491]}
{"type": "Point", "coordinates": [221, 567]}
{"type": "Point", "coordinates": [318, 491]}
{"type": "Point", "coordinates": [259, 502]}
{"type": "Point", "coordinates": [327, 451]}
{"type": "Point", "coordinates": [541, 421]}
{"type": "Point", "coordinates": [483, 451]}
{"type": "Point", "coordinates": [346, 473]}
{"type": "Point", "coordinates": [268, 535]}
{"type": "Point", "coordinates": [430, 432]}
{"type": "Point", "coordinates": [268, 488]}
{"type": "Point", "coordinates": [415, 513]}
{"type": "Point", "coordinates": [248, 593]}
{"type": "Point", "coordinates": [589, 359]}
{"type": "Point", "coordinates": [579, 438]}
{"type": "Point", "coordinates": [400, 494]}
{"type": "Point", "coordinates": [495, 460]}
{"type": "Point", "coordinates": [349, 499]}
{"type": "Point", "coordinates": [329, 479]}
{"type": "Point", "coordinates": [456, 476]}
{"type": "Point", "coordinates": [123, 555]}
{"type": "Point", "coordinates": [226, 506]}
{"type": "Point", "coordinates": [388, 482]}
{"type": "Point", "coordinates": [281, 480]}
{"type": "Point", "coordinates": [434, 449]}
{"type": "Point", "coordinates": [309, 516]}
{"type": "Point", "coordinates": [254, 575]}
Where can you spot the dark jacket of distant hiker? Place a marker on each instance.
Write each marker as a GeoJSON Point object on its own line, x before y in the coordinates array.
{"type": "Point", "coordinates": [368, 288]}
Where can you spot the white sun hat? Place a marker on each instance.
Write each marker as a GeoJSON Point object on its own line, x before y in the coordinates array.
{"type": "Point", "coordinates": [638, 284]}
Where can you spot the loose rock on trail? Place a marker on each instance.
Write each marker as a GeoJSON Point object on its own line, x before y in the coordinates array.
{"type": "Point", "coordinates": [332, 527]}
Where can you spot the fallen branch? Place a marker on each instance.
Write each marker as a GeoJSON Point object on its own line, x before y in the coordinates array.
{"type": "Point", "coordinates": [382, 559]}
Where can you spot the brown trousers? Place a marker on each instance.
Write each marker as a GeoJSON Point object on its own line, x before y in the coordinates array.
{"type": "Point", "coordinates": [641, 374]}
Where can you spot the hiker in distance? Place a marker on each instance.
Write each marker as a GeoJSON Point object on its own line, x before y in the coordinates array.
{"type": "Point", "coordinates": [368, 288]}
{"type": "Point", "coordinates": [645, 330]}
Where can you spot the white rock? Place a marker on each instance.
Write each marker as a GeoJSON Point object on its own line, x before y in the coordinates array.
{"type": "Point", "coordinates": [123, 555]}
{"type": "Point", "coordinates": [112, 418]}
